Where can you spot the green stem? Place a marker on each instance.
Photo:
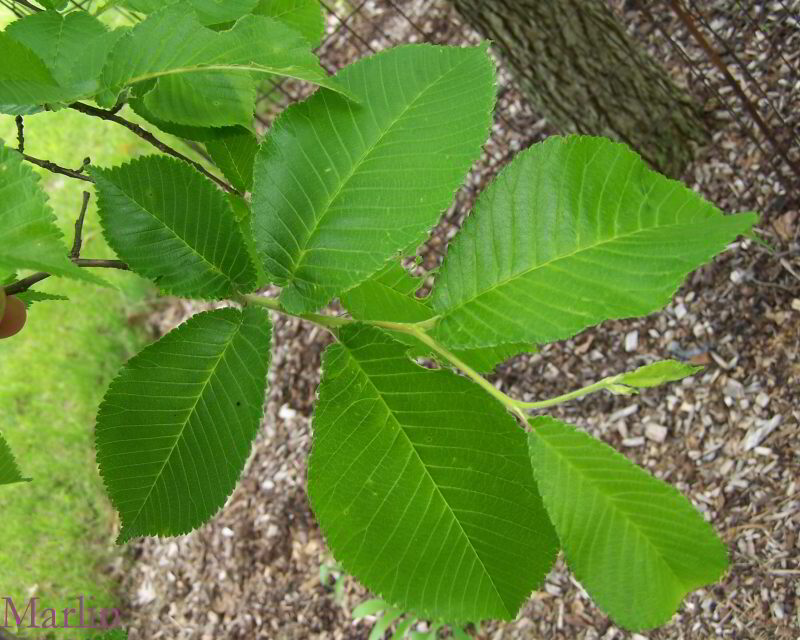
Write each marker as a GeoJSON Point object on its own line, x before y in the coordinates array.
{"type": "Point", "coordinates": [517, 407]}
{"type": "Point", "coordinates": [425, 339]}
{"type": "Point", "coordinates": [605, 383]}
{"type": "Point", "coordinates": [328, 322]}
{"type": "Point", "coordinates": [334, 322]}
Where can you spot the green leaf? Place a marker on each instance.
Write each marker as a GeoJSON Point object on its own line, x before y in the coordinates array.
{"type": "Point", "coordinates": [422, 484]}
{"type": "Point", "coordinates": [31, 296]}
{"type": "Point", "coordinates": [172, 41]}
{"type": "Point", "coordinates": [635, 543]}
{"type": "Point", "coordinates": [199, 134]}
{"type": "Point", "coordinates": [575, 231]}
{"type": "Point", "coordinates": [339, 188]}
{"type": "Point", "coordinates": [402, 627]}
{"type": "Point", "coordinates": [305, 16]}
{"type": "Point", "coordinates": [241, 212]}
{"type": "Point", "coordinates": [388, 295]}
{"type": "Point", "coordinates": [29, 237]}
{"type": "Point", "coordinates": [9, 471]}
{"type": "Point", "coordinates": [234, 155]}
{"type": "Point", "coordinates": [369, 608]}
{"type": "Point", "coordinates": [18, 109]}
{"type": "Point", "coordinates": [172, 225]}
{"type": "Point", "coordinates": [25, 81]}
{"type": "Point", "coordinates": [385, 621]}
{"type": "Point", "coordinates": [657, 373]}
{"type": "Point", "coordinates": [73, 46]}
{"type": "Point", "coordinates": [204, 99]}
{"type": "Point", "coordinates": [58, 5]}
{"type": "Point", "coordinates": [176, 426]}
{"type": "Point", "coordinates": [211, 12]}
{"type": "Point", "coordinates": [208, 12]}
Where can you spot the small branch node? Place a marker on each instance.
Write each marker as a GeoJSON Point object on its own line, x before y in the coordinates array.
{"type": "Point", "coordinates": [20, 133]}
{"type": "Point", "coordinates": [78, 239]}
{"type": "Point", "coordinates": [55, 168]}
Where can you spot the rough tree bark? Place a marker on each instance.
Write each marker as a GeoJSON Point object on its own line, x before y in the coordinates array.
{"type": "Point", "coordinates": [580, 69]}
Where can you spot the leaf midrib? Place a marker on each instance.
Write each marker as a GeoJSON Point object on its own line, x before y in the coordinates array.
{"type": "Point", "coordinates": [429, 476]}
{"type": "Point", "coordinates": [447, 311]}
{"type": "Point", "coordinates": [325, 209]}
{"type": "Point", "coordinates": [284, 71]}
{"type": "Point", "coordinates": [613, 505]}
{"type": "Point", "coordinates": [189, 413]}
{"type": "Point", "coordinates": [216, 269]}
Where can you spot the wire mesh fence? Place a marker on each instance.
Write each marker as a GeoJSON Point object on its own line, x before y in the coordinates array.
{"type": "Point", "coordinates": [740, 58]}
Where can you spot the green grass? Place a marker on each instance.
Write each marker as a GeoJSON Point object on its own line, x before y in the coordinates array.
{"type": "Point", "coordinates": [57, 531]}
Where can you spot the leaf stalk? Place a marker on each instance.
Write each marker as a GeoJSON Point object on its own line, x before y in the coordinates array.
{"type": "Point", "coordinates": [610, 383]}
{"type": "Point", "coordinates": [418, 330]}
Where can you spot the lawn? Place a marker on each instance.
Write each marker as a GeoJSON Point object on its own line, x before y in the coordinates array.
{"type": "Point", "coordinates": [57, 531]}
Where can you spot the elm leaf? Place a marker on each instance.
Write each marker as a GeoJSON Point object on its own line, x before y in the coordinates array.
{"type": "Point", "coordinates": [235, 154]}
{"type": "Point", "coordinates": [176, 426]}
{"type": "Point", "coordinates": [197, 133]}
{"type": "Point", "coordinates": [25, 80]}
{"type": "Point", "coordinates": [388, 295]}
{"type": "Point", "coordinates": [9, 470]}
{"type": "Point", "coordinates": [339, 187]}
{"type": "Point", "coordinates": [657, 373]}
{"type": "Point", "coordinates": [172, 41]}
{"type": "Point", "coordinates": [305, 16]}
{"type": "Point", "coordinates": [74, 47]}
{"type": "Point", "coordinates": [573, 232]}
{"type": "Point", "coordinates": [422, 484]}
{"type": "Point", "coordinates": [172, 225]}
{"type": "Point", "coordinates": [634, 542]}
{"type": "Point", "coordinates": [204, 99]}
{"type": "Point", "coordinates": [30, 296]}
{"type": "Point", "coordinates": [208, 12]}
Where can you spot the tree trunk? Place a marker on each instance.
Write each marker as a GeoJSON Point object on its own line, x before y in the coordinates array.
{"type": "Point", "coordinates": [580, 69]}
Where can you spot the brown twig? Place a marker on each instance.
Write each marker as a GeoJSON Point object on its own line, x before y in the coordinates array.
{"type": "Point", "coordinates": [102, 264]}
{"type": "Point", "coordinates": [75, 252]}
{"type": "Point", "coordinates": [30, 6]}
{"type": "Point", "coordinates": [26, 283]}
{"type": "Point", "coordinates": [688, 22]}
{"type": "Point", "coordinates": [20, 134]}
{"type": "Point", "coordinates": [55, 168]}
{"type": "Point", "coordinates": [20, 286]}
{"type": "Point", "coordinates": [111, 116]}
